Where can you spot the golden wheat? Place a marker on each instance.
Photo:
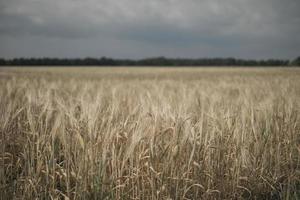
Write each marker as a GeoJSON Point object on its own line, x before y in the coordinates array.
{"type": "Point", "coordinates": [131, 133]}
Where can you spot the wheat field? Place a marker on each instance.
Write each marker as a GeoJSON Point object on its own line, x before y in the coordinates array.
{"type": "Point", "coordinates": [150, 133]}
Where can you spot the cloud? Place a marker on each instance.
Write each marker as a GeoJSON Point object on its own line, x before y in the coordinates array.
{"type": "Point", "coordinates": [162, 24]}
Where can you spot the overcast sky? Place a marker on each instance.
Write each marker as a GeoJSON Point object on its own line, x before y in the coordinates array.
{"type": "Point", "coordinates": [147, 28]}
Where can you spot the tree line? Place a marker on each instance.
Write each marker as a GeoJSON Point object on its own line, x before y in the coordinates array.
{"type": "Point", "coordinates": [158, 61]}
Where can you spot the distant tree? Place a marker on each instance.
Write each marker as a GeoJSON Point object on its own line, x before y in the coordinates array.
{"type": "Point", "coordinates": [2, 62]}
{"type": "Point", "coordinates": [296, 62]}
{"type": "Point", "coordinates": [156, 61]}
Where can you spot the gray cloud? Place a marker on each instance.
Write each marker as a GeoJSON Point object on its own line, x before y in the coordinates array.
{"type": "Point", "coordinates": [140, 28]}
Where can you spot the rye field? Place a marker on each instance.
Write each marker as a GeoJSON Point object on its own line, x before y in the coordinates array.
{"type": "Point", "coordinates": [149, 133]}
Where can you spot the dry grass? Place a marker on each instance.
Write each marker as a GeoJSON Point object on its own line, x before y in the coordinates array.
{"type": "Point", "coordinates": [150, 133]}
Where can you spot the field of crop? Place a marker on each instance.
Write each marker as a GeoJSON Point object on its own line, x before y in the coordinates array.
{"type": "Point", "coordinates": [150, 133]}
